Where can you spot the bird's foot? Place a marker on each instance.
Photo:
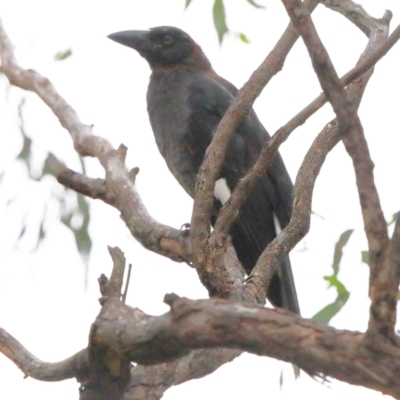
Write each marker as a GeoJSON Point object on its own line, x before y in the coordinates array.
{"type": "Point", "coordinates": [184, 239]}
{"type": "Point", "coordinates": [185, 229]}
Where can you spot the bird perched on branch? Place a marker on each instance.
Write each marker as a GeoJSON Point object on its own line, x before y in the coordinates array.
{"type": "Point", "coordinates": [186, 99]}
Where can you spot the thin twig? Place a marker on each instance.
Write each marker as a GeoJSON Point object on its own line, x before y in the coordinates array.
{"type": "Point", "coordinates": [128, 278]}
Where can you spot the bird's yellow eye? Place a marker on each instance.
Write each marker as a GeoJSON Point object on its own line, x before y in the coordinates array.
{"type": "Point", "coordinates": [167, 39]}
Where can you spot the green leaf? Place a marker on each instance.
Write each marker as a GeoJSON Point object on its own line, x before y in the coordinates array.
{"type": "Point", "coordinates": [219, 19]}
{"type": "Point", "coordinates": [337, 256]}
{"type": "Point", "coordinates": [334, 282]}
{"type": "Point", "coordinates": [392, 219]}
{"type": "Point", "coordinates": [254, 4]}
{"type": "Point", "coordinates": [82, 237]}
{"type": "Point", "coordinates": [52, 165]}
{"type": "Point", "coordinates": [62, 55]}
{"type": "Point", "coordinates": [365, 257]}
{"type": "Point", "coordinates": [281, 380]}
{"type": "Point", "coordinates": [327, 313]}
{"type": "Point", "coordinates": [81, 234]}
{"type": "Point", "coordinates": [42, 232]}
{"type": "Point", "coordinates": [187, 4]}
{"type": "Point", "coordinates": [244, 38]}
{"type": "Point", "coordinates": [25, 154]}
{"type": "Point", "coordinates": [317, 215]}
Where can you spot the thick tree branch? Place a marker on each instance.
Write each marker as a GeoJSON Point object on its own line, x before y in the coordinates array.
{"type": "Point", "coordinates": [191, 325]}
{"type": "Point", "coordinates": [213, 323]}
{"type": "Point", "coordinates": [386, 285]}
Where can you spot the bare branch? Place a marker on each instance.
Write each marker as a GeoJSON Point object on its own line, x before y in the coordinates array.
{"type": "Point", "coordinates": [356, 14]}
{"type": "Point", "coordinates": [212, 323]}
{"type": "Point", "coordinates": [120, 190]}
{"type": "Point", "coordinates": [357, 147]}
{"type": "Point", "coordinates": [327, 139]}
{"type": "Point", "coordinates": [113, 287]}
{"type": "Point", "coordinates": [245, 185]}
{"type": "Point", "coordinates": [161, 239]}
{"type": "Point", "coordinates": [151, 382]}
{"type": "Point", "coordinates": [37, 369]}
{"type": "Point", "coordinates": [128, 279]}
{"type": "Point", "coordinates": [208, 174]}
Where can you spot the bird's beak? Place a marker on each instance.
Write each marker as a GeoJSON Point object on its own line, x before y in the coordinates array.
{"type": "Point", "coordinates": [137, 40]}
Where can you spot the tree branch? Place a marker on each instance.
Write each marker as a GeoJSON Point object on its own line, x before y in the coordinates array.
{"type": "Point", "coordinates": [191, 325]}
{"type": "Point", "coordinates": [37, 369]}
{"type": "Point", "coordinates": [245, 185]}
{"type": "Point", "coordinates": [113, 287]}
{"type": "Point", "coordinates": [357, 147]}
{"type": "Point", "coordinates": [208, 261]}
{"type": "Point", "coordinates": [119, 189]}
{"type": "Point", "coordinates": [161, 239]}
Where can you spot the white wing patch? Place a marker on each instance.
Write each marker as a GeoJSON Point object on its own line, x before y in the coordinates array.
{"type": "Point", "coordinates": [222, 191]}
{"type": "Point", "coordinates": [278, 228]}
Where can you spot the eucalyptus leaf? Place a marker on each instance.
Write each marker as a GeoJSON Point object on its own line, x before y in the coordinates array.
{"type": "Point", "coordinates": [254, 4]}
{"type": "Point", "coordinates": [244, 38]}
{"type": "Point", "coordinates": [26, 152]}
{"type": "Point", "coordinates": [52, 165]}
{"type": "Point", "coordinates": [42, 232]}
{"type": "Point", "coordinates": [317, 215]}
{"type": "Point", "coordinates": [392, 219]}
{"type": "Point", "coordinates": [329, 311]}
{"type": "Point", "coordinates": [338, 253]}
{"type": "Point", "coordinates": [63, 55]}
{"type": "Point", "coordinates": [365, 257]}
{"type": "Point", "coordinates": [220, 19]}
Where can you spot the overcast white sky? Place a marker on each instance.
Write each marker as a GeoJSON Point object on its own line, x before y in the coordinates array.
{"type": "Point", "coordinates": [43, 301]}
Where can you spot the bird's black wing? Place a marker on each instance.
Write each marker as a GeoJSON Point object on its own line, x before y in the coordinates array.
{"type": "Point", "coordinates": [268, 205]}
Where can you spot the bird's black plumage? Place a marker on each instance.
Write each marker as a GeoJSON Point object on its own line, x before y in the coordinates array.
{"type": "Point", "coordinates": [186, 99]}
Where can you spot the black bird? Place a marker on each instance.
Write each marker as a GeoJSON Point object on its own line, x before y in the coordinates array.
{"type": "Point", "coordinates": [186, 99]}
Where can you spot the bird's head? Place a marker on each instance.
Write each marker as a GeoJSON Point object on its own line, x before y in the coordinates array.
{"type": "Point", "coordinates": [164, 47]}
